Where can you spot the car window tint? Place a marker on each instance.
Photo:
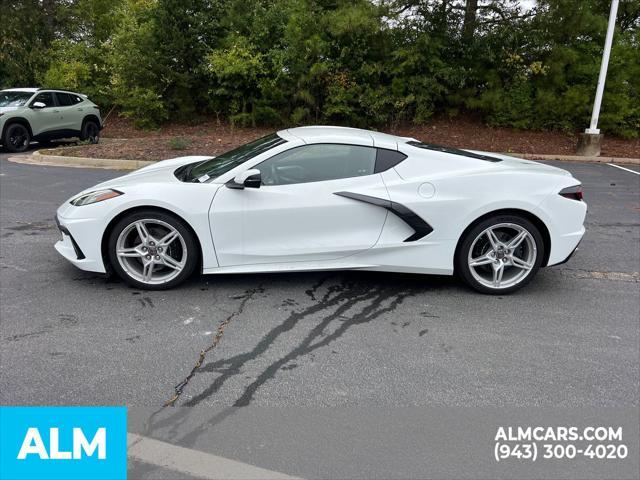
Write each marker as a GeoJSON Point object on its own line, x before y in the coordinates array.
{"type": "Point", "coordinates": [64, 99]}
{"type": "Point", "coordinates": [387, 159]}
{"type": "Point", "coordinates": [46, 98]}
{"type": "Point", "coordinates": [316, 163]}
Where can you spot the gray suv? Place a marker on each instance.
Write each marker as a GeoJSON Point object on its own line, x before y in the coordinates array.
{"type": "Point", "coordinates": [40, 114]}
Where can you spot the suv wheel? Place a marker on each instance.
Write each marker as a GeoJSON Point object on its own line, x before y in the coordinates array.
{"type": "Point", "coordinates": [17, 138]}
{"type": "Point", "coordinates": [90, 132]}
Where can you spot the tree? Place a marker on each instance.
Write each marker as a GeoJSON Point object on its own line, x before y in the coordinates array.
{"type": "Point", "coordinates": [355, 62]}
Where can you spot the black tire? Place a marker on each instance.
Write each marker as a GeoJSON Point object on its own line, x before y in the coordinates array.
{"type": "Point", "coordinates": [90, 131]}
{"type": "Point", "coordinates": [16, 138]}
{"type": "Point", "coordinates": [190, 245]}
{"type": "Point", "coordinates": [476, 232]}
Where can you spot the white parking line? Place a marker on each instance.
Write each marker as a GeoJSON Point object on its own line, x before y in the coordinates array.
{"type": "Point", "coordinates": [194, 462]}
{"type": "Point", "coordinates": [622, 168]}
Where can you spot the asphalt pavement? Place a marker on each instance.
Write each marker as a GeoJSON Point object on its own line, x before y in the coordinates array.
{"type": "Point", "coordinates": [318, 340]}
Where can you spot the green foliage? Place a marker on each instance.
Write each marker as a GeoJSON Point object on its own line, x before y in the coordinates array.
{"type": "Point", "coordinates": [67, 74]}
{"type": "Point", "coordinates": [236, 71]}
{"type": "Point", "coordinates": [135, 82]}
{"type": "Point", "coordinates": [26, 31]}
{"type": "Point", "coordinates": [179, 143]}
{"type": "Point", "coordinates": [353, 62]}
{"type": "Point", "coordinates": [144, 106]}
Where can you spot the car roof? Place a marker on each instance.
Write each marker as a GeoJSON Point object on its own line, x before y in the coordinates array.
{"type": "Point", "coordinates": [356, 136]}
{"type": "Point", "coordinates": [57, 90]}
{"type": "Point", "coordinates": [34, 90]}
{"type": "Point", "coordinates": [30, 90]}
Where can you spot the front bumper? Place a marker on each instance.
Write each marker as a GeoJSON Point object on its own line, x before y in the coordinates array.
{"type": "Point", "coordinates": [78, 244]}
{"type": "Point", "coordinates": [66, 235]}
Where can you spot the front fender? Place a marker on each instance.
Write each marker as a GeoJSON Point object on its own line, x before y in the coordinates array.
{"type": "Point", "coordinates": [189, 201]}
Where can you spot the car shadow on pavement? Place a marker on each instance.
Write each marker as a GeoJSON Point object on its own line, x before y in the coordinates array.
{"type": "Point", "coordinates": [38, 146]}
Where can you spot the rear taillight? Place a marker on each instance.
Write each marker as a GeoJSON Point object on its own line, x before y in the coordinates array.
{"type": "Point", "coordinates": [574, 193]}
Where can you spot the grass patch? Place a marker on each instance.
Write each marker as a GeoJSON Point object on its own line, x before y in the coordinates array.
{"type": "Point", "coordinates": [179, 143]}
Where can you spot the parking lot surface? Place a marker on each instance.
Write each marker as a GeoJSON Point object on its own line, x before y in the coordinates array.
{"type": "Point", "coordinates": [328, 339]}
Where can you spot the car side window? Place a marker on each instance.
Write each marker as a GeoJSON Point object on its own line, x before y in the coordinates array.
{"type": "Point", "coordinates": [46, 98]}
{"type": "Point", "coordinates": [317, 163]}
{"type": "Point", "coordinates": [64, 99]}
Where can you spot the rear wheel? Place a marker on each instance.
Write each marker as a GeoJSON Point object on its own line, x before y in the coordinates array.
{"type": "Point", "coordinates": [90, 132]}
{"type": "Point", "coordinates": [153, 250]}
{"type": "Point", "coordinates": [500, 254]}
{"type": "Point", "coordinates": [17, 138]}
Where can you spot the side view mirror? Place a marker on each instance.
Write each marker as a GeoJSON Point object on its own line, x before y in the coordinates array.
{"type": "Point", "coordinates": [247, 179]}
{"type": "Point", "coordinates": [38, 105]}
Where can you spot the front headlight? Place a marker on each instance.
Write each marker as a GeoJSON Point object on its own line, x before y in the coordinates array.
{"type": "Point", "coordinates": [94, 197]}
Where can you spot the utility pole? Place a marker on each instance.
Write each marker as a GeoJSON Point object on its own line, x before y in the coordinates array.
{"type": "Point", "coordinates": [590, 141]}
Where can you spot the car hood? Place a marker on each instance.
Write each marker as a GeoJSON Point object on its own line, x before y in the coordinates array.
{"type": "Point", "coordinates": [8, 109]}
{"type": "Point", "coordinates": [159, 172]}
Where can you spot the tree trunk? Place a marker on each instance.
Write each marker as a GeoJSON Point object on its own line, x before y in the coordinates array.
{"type": "Point", "coordinates": [49, 9]}
{"type": "Point", "coordinates": [469, 26]}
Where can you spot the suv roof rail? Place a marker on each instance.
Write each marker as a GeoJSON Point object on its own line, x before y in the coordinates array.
{"type": "Point", "coordinates": [63, 91]}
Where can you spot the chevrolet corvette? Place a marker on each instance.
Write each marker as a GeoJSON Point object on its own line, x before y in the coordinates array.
{"type": "Point", "coordinates": [328, 198]}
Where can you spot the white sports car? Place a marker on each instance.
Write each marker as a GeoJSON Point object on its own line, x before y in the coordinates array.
{"type": "Point", "coordinates": [328, 198]}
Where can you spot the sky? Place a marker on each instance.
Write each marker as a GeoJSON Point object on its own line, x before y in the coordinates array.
{"type": "Point", "coordinates": [528, 4]}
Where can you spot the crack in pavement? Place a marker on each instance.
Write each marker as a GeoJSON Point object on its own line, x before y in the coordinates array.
{"type": "Point", "coordinates": [179, 388]}
{"type": "Point", "coordinates": [234, 364]}
{"type": "Point", "coordinates": [368, 313]}
{"type": "Point", "coordinates": [345, 296]}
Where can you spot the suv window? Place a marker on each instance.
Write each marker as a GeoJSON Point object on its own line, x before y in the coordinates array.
{"type": "Point", "coordinates": [64, 99]}
{"type": "Point", "coordinates": [316, 163]}
{"type": "Point", "coordinates": [46, 98]}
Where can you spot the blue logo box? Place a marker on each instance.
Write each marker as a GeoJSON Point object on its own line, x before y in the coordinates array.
{"type": "Point", "coordinates": [63, 443]}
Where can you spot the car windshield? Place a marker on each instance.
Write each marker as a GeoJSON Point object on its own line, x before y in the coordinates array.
{"type": "Point", "coordinates": [223, 163]}
{"type": "Point", "coordinates": [14, 99]}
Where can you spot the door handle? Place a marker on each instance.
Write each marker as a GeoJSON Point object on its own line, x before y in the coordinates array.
{"type": "Point", "coordinates": [56, 111]}
{"type": "Point", "coordinates": [80, 110]}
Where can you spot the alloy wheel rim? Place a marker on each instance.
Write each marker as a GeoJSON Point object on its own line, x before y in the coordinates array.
{"type": "Point", "coordinates": [502, 255]}
{"type": "Point", "coordinates": [92, 132]}
{"type": "Point", "coordinates": [19, 138]}
{"type": "Point", "coordinates": [151, 251]}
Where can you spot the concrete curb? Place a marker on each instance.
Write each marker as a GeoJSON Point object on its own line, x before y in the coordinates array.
{"type": "Point", "coordinates": [37, 158]}
{"type": "Point", "coordinates": [576, 158]}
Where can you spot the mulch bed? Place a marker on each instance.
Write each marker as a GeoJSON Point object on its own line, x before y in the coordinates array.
{"type": "Point", "coordinates": [211, 138]}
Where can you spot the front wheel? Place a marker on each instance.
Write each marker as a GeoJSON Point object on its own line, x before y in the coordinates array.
{"type": "Point", "coordinates": [500, 254]}
{"type": "Point", "coordinates": [152, 250]}
{"type": "Point", "coordinates": [17, 138]}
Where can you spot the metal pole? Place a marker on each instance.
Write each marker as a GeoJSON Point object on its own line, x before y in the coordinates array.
{"type": "Point", "coordinates": [593, 127]}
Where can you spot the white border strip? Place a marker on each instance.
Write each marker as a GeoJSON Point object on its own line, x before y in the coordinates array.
{"type": "Point", "coordinates": [194, 462]}
{"type": "Point", "coordinates": [622, 168]}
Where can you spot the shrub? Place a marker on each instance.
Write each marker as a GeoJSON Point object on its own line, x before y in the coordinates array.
{"type": "Point", "coordinates": [179, 143]}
